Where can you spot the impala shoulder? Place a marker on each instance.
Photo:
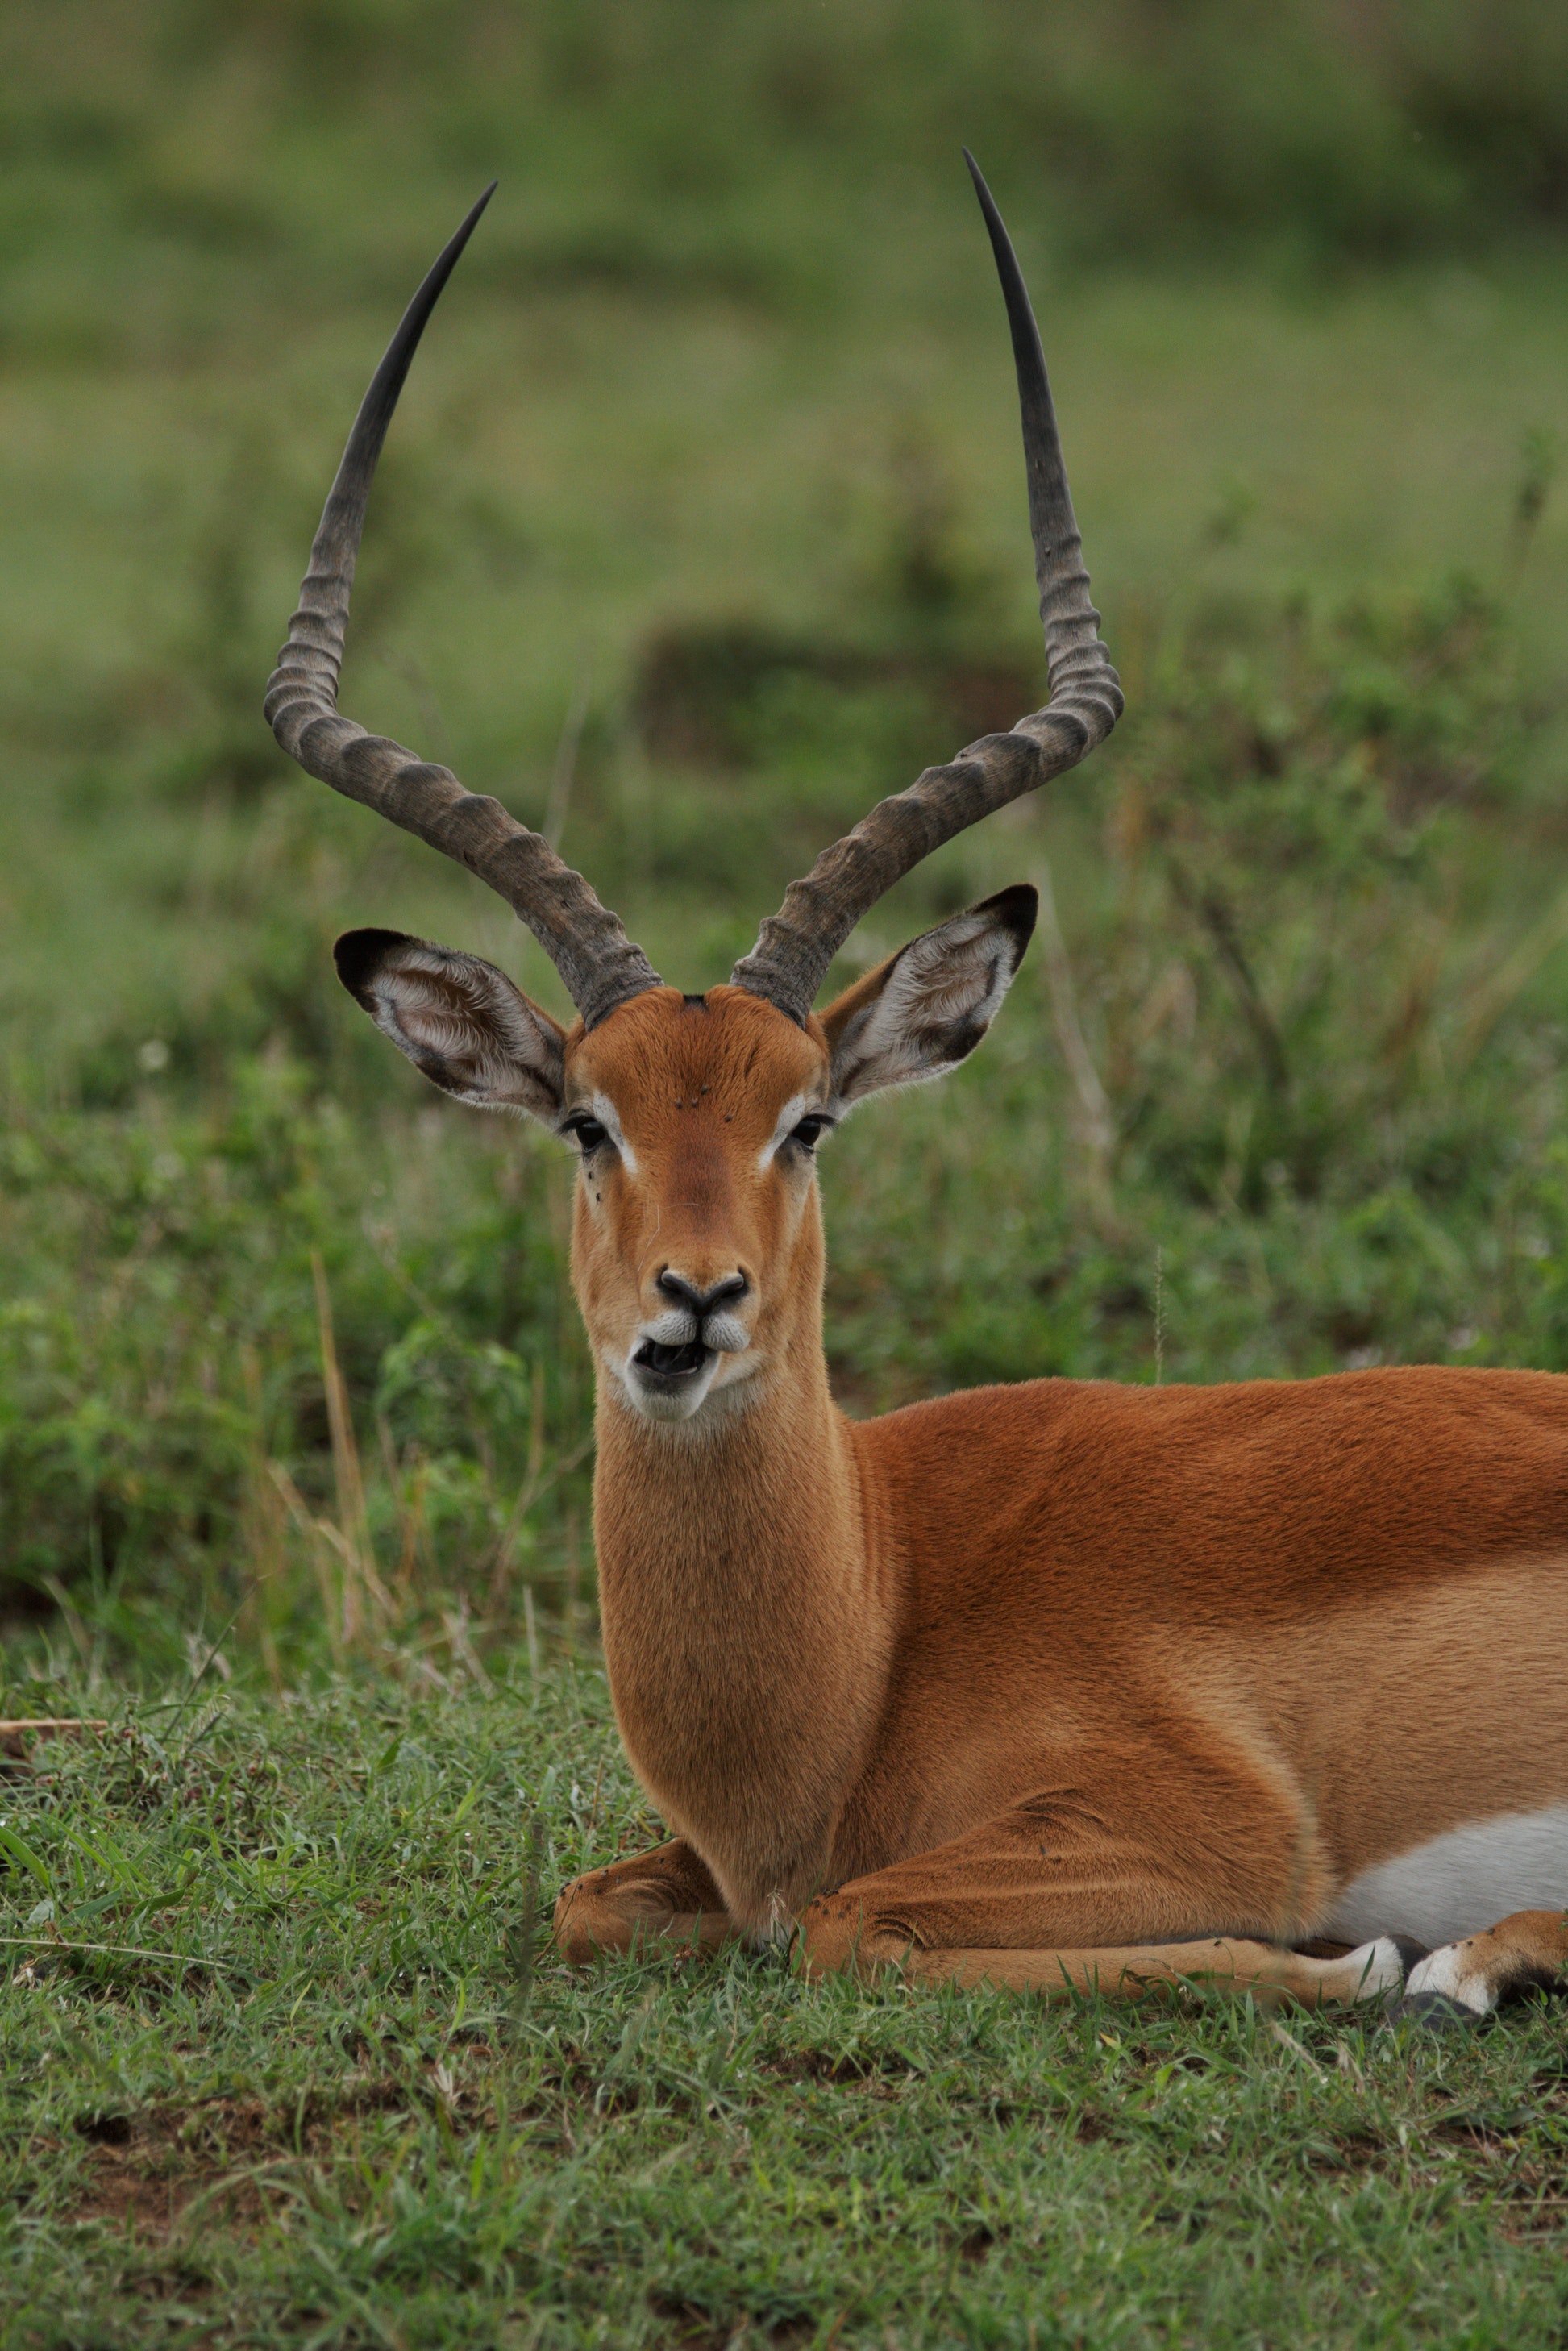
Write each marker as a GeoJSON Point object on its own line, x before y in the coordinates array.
{"type": "Point", "coordinates": [991, 1441]}
{"type": "Point", "coordinates": [1015, 1405]}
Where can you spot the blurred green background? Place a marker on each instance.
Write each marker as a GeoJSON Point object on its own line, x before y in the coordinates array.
{"type": "Point", "coordinates": [702, 526]}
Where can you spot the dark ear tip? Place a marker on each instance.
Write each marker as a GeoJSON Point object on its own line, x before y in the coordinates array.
{"type": "Point", "coordinates": [359, 955]}
{"type": "Point", "coordinates": [1016, 907]}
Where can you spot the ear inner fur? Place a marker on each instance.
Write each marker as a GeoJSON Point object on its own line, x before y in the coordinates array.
{"type": "Point", "coordinates": [924, 1009]}
{"type": "Point", "coordinates": [459, 1021]}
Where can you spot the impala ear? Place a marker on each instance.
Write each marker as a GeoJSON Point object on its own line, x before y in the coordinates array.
{"type": "Point", "coordinates": [918, 1014]}
{"type": "Point", "coordinates": [458, 1018]}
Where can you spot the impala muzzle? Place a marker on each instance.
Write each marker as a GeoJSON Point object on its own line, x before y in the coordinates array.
{"type": "Point", "coordinates": [677, 1347]}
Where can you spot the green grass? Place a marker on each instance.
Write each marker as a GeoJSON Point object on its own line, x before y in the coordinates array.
{"type": "Point", "coordinates": [326, 2087]}
{"type": "Point", "coordinates": [725, 367]}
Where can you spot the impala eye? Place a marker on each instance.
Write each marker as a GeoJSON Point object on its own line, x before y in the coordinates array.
{"type": "Point", "coordinates": [587, 1132]}
{"type": "Point", "coordinates": [810, 1131]}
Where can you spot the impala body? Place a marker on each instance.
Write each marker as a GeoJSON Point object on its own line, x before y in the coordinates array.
{"type": "Point", "coordinates": [1063, 1683]}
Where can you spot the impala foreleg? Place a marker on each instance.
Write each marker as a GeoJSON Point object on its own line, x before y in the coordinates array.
{"type": "Point", "coordinates": [665, 1896]}
{"type": "Point", "coordinates": [1220, 1963]}
{"type": "Point", "coordinates": [1526, 1952]}
{"type": "Point", "coordinates": [1077, 1893]}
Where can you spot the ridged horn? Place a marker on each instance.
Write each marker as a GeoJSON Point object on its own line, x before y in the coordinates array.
{"type": "Point", "coordinates": [598, 965]}
{"type": "Point", "coordinates": [797, 945]}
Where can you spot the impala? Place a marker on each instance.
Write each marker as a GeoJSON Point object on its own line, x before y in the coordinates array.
{"type": "Point", "coordinates": [1061, 1684]}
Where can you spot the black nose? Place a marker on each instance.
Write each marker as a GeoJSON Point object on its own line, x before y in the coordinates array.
{"type": "Point", "coordinates": [703, 1302]}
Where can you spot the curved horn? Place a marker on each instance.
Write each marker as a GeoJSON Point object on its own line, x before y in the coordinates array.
{"type": "Point", "coordinates": [598, 963]}
{"type": "Point", "coordinates": [798, 943]}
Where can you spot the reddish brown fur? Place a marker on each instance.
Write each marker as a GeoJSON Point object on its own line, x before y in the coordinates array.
{"type": "Point", "coordinates": [1040, 1669]}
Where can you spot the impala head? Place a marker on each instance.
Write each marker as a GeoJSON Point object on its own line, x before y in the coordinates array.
{"type": "Point", "coordinates": [697, 1241]}
{"type": "Point", "coordinates": [696, 1245]}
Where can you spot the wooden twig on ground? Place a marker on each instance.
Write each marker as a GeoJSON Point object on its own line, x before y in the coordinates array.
{"type": "Point", "coordinates": [17, 1729]}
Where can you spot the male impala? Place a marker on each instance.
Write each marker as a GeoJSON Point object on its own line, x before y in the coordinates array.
{"type": "Point", "coordinates": [1059, 1683]}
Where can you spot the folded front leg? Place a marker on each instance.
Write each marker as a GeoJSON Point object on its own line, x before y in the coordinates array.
{"type": "Point", "coordinates": [1225, 1963]}
{"type": "Point", "coordinates": [1134, 1878]}
{"type": "Point", "coordinates": [664, 1895]}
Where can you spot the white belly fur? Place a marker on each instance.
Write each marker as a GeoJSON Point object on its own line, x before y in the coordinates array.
{"type": "Point", "coordinates": [1461, 1882]}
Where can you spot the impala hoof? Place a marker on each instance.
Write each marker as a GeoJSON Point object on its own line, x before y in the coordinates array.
{"type": "Point", "coordinates": [1434, 2011]}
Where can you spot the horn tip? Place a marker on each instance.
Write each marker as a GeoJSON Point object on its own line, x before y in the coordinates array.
{"type": "Point", "coordinates": [978, 177]}
{"type": "Point", "coordinates": [472, 221]}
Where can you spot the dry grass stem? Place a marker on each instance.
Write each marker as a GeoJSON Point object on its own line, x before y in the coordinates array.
{"type": "Point", "coordinates": [1095, 1121]}
{"type": "Point", "coordinates": [367, 1607]}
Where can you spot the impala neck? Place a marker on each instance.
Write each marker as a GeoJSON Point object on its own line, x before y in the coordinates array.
{"type": "Point", "coordinates": [746, 1630]}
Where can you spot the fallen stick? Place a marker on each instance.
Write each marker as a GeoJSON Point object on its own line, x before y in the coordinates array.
{"type": "Point", "coordinates": [14, 1730]}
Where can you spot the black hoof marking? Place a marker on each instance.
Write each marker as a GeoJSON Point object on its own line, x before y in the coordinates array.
{"type": "Point", "coordinates": [1434, 2011]}
{"type": "Point", "coordinates": [1548, 1981]}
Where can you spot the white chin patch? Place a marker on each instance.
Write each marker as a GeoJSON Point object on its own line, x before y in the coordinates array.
{"type": "Point", "coordinates": [1461, 1882]}
{"type": "Point", "coordinates": [666, 1403]}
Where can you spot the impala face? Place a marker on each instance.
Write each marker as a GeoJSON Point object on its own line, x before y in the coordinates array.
{"type": "Point", "coordinates": [696, 1240]}
{"type": "Point", "coordinates": [697, 1119]}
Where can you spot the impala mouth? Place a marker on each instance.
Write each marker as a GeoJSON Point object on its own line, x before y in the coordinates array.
{"type": "Point", "coordinates": [669, 1366]}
